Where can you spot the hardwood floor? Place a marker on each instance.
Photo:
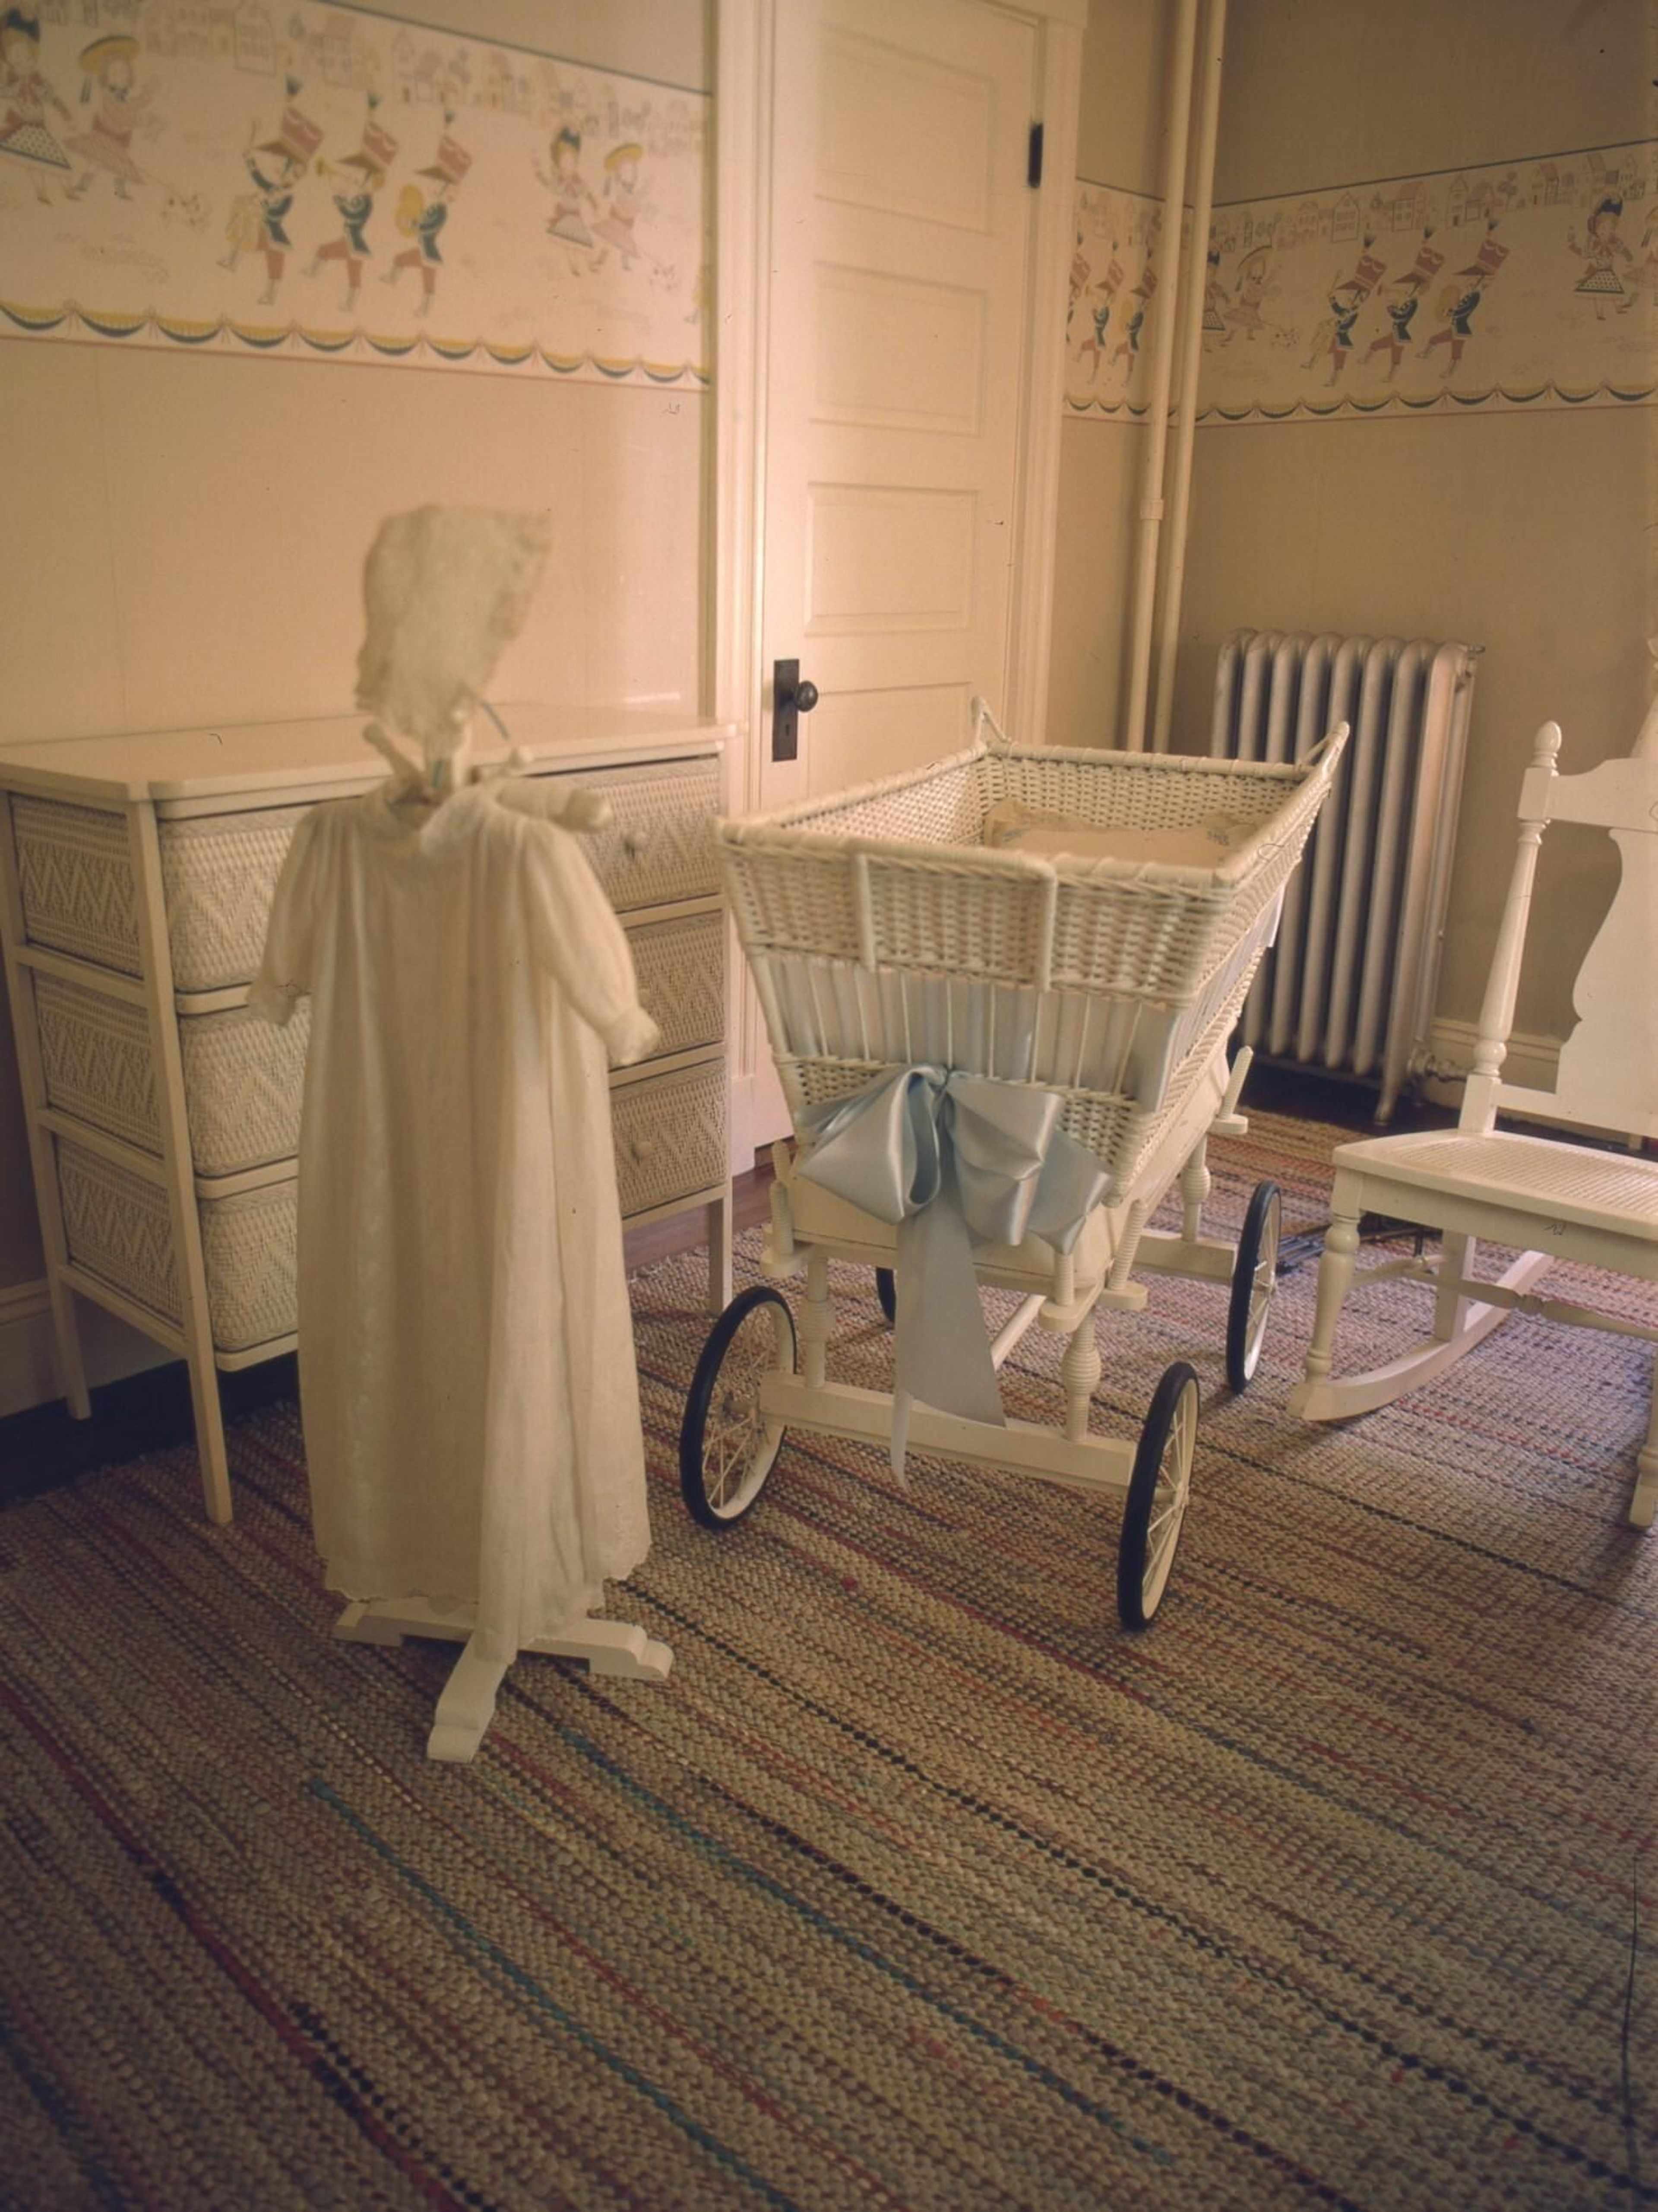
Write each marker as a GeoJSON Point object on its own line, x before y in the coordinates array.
{"type": "Point", "coordinates": [43, 1447]}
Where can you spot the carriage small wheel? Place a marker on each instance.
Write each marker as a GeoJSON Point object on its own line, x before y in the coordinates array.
{"type": "Point", "coordinates": [727, 1448]}
{"type": "Point", "coordinates": [1158, 1492]}
{"type": "Point", "coordinates": [1255, 1284]}
{"type": "Point", "coordinates": [886, 1292]}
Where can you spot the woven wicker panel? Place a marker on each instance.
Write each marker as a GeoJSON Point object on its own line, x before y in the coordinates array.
{"type": "Point", "coordinates": [669, 1137]}
{"type": "Point", "coordinates": [660, 845]}
{"type": "Point", "coordinates": [680, 971]}
{"type": "Point", "coordinates": [95, 1056]}
{"type": "Point", "coordinates": [792, 901]}
{"type": "Point", "coordinates": [74, 876]}
{"type": "Point", "coordinates": [249, 1244]}
{"type": "Point", "coordinates": [118, 1228]}
{"type": "Point", "coordinates": [932, 920]}
{"type": "Point", "coordinates": [1158, 937]}
{"type": "Point", "coordinates": [243, 1081]}
{"type": "Point", "coordinates": [219, 873]}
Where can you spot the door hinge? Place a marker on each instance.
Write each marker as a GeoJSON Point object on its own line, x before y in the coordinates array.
{"type": "Point", "coordinates": [1033, 175]}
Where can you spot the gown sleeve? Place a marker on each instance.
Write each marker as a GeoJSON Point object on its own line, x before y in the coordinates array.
{"type": "Point", "coordinates": [285, 971]}
{"type": "Point", "coordinates": [574, 934]}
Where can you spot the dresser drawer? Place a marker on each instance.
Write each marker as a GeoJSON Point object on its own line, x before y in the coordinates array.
{"type": "Point", "coordinates": [681, 970]}
{"type": "Point", "coordinates": [220, 875]}
{"type": "Point", "coordinates": [96, 1062]}
{"type": "Point", "coordinates": [244, 1085]}
{"type": "Point", "coordinates": [670, 1136]}
{"type": "Point", "coordinates": [117, 1227]}
{"type": "Point", "coordinates": [242, 1078]}
{"type": "Point", "coordinates": [75, 880]}
{"type": "Point", "coordinates": [659, 848]}
{"type": "Point", "coordinates": [218, 871]}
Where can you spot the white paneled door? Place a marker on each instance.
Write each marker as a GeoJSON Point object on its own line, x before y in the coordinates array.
{"type": "Point", "coordinates": [902, 229]}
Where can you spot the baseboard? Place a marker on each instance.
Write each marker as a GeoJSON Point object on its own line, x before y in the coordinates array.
{"type": "Point", "coordinates": [1531, 1062]}
{"type": "Point", "coordinates": [26, 1374]}
{"type": "Point", "coordinates": [29, 1372]}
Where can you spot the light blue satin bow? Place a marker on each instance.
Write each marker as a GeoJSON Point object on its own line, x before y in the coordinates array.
{"type": "Point", "coordinates": [952, 1161]}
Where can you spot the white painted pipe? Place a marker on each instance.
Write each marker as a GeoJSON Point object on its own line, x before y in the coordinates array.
{"type": "Point", "coordinates": [1174, 201]}
{"type": "Point", "coordinates": [1185, 420]}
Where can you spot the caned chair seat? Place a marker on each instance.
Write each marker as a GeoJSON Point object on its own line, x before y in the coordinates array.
{"type": "Point", "coordinates": [1613, 1191]}
{"type": "Point", "coordinates": [1546, 1198]}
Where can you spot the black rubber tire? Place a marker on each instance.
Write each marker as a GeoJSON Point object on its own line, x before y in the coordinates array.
{"type": "Point", "coordinates": [694, 1427]}
{"type": "Point", "coordinates": [1265, 1217]}
{"type": "Point", "coordinates": [1132, 1610]}
{"type": "Point", "coordinates": [886, 1292]}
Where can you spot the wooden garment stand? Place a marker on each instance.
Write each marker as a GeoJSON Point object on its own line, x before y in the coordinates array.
{"type": "Point", "coordinates": [467, 1704]}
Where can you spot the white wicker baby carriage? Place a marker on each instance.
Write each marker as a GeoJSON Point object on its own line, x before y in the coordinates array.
{"type": "Point", "coordinates": [924, 990]}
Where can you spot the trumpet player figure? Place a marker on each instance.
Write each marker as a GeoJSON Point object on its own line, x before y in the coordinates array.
{"type": "Point", "coordinates": [361, 175]}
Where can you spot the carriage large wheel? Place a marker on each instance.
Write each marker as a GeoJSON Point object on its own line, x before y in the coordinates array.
{"type": "Point", "coordinates": [1157, 1492]}
{"type": "Point", "coordinates": [726, 1447]}
{"type": "Point", "coordinates": [1255, 1284]}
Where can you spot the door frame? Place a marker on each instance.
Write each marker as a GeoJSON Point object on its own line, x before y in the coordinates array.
{"type": "Point", "coordinates": [734, 680]}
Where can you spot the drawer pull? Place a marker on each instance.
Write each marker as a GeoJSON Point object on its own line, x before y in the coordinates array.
{"type": "Point", "coordinates": [643, 1149]}
{"type": "Point", "coordinates": [633, 843]}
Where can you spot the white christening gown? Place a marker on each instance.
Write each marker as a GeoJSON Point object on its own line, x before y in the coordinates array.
{"type": "Point", "coordinates": [467, 1383]}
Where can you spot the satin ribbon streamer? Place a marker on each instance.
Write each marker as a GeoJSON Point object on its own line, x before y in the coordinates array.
{"type": "Point", "coordinates": [952, 1161]}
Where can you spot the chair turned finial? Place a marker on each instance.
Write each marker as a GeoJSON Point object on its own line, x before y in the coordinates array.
{"type": "Point", "coordinates": [1545, 747]}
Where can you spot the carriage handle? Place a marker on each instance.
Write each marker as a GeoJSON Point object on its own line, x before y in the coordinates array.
{"type": "Point", "coordinates": [981, 717]}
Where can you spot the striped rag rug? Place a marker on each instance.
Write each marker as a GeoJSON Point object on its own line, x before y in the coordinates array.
{"type": "Point", "coordinates": [919, 1884]}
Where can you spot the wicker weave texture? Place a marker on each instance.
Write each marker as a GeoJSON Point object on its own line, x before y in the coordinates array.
{"type": "Point", "coordinates": [95, 1056]}
{"type": "Point", "coordinates": [244, 1079]}
{"type": "Point", "coordinates": [249, 1244]}
{"type": "Point", "coordinates": [882, 932]}
{"type": "Point", "coordinates": [894, 875]}
{"type": "Point", "coordinates": [219, 873]}
{"type": "Point", "coordinates": [75, 876]}
{"type": "Point", "coordinates": [660, 846]}
{"type": "Point", "coordinates": [680, 967]}
{"type": "Point", "coordinates": [669, 1137]}
{"type": "Point", "coordinates": [118, 1228]}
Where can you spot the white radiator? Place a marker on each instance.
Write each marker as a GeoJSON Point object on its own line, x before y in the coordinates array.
{"type": "Point", "coordinates": [1350, 985]}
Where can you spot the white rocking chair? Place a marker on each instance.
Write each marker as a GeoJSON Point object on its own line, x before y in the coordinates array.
{"type": "Point", "coordinates": [1547, 1197]}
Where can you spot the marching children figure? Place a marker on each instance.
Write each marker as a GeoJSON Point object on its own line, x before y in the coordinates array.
{"type": "Point", "coordinates": [1458, 306]}
{"type": "Point", "coordinates": [1108, 288]}
{"type": "Point", "coordinates": [362, 174]}
{"type": "Point", "coordinates": [1335, 335]}
{"type": "Point", "coordinates": [423, 218]}
{"type": "Point", "coordinates": [624, 203]}
{"type": "Point", "coordinates": [1077, 284]}
{"type": "Point", "coordinates": [1394, 341]}
{"type": "Point", "coordinates": [571, 194]}
{"type": "Point", "coordinates": [26, 95]}
{"type": "Point", "coordinates": [257, 218]}
{"type": "Point", "coordinates": [107, 62]}
{"type": "Point", "coordinates": [1215, 295]}
{"type": "Point", "coordinates": [1244, 314]}
{"type": "Point", "coordinates": [1130, 342]}
{"type": "Point", "coordinates": [1602, 250]}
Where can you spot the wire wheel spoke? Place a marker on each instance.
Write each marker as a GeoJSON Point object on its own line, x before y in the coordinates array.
{"type": "Point", "coordinates": [728, 1445]}
{"type": "Point", "coordinates": [1255, 1284]}
{"type": "Point", "coordinates": [1159, 1493]}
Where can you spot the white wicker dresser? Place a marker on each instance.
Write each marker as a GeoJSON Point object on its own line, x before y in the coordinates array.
{"type": "Point", "coordinates": [135, 878]}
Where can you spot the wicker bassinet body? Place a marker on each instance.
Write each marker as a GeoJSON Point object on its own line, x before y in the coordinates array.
{"type": "Point", "coordinates": [882, 931]}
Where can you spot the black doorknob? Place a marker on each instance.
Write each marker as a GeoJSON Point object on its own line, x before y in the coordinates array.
{"type": "Point", "coordinates": [806, 696]}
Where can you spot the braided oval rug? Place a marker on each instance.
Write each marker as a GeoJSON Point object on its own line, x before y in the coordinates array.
{"type": "Point", "coordinates": [919, 1884]}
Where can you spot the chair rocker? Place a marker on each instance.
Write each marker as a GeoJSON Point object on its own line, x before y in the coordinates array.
{"type": "Point", "coordinates": [1544, 1196]}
